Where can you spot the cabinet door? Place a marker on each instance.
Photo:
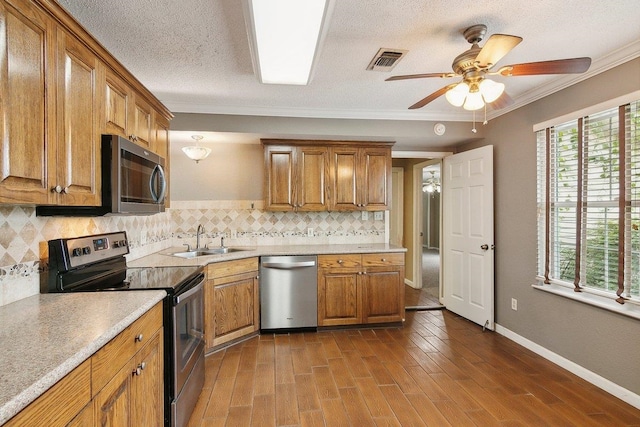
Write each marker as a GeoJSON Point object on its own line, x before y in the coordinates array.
{"type": "Point", "coordinates": [344, 179]}
{"type": "Point", "coordinates": [112, 406]}
{"type": "Point", "coordinates": [78, 166]}
{"type": "Point", "coordinates": [147, 385]}
{"type": "Point", "coordinates": [312, 167]}
{"type": "Point", "coordinates": [339, 300]}
{"type": "Point", "coordinates": [279, 170]}
{"type": "Point", "coordinates": [383, 295]}
{"type": "Point", "coordinates": [236, 310]}
{"type": "Point", "coordinates": [142, 119]}
{"type": "Point", "coordinates": [375, 178]}
{"type": "Point", "coordinates": [117, 104]}
{"type": "Point", "coordinates": [27, 38]}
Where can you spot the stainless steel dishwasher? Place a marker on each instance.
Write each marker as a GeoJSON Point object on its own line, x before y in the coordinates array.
{"type": "Point", "coordinates": [288, 292]}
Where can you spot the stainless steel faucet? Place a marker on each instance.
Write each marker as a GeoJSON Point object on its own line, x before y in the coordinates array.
{"type": "Point", "coordinates": [198, 233]}
{"type": "Point", "coordinates": [222, 242]}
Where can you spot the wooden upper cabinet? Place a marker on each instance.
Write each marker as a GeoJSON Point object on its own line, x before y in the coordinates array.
{"type": "Point", "coordinates": [142, 132]}
{"type": "Point", "coordinates": [78, 166]}
{"type": "Point", "coordinates": [326, 175]}
{"type": "Point", "coordinates": [296, 178]}
{"type": "Point", "coordinates": [360, 178]}
{"type": "Point", "coordinates": [279, 192]}
{"type": "Point", "coordinates": [312, 170]}
{"type": "Point", "coordinates": [27, 38]}
{"type": "Point", "coordinates": [59, 91]}
{"type": "Point", "coordinates": [376, 178]}
{"type": "Point", "coordinates": [117, 104]}
{"type": "Point", "coordinates": [345, 179]}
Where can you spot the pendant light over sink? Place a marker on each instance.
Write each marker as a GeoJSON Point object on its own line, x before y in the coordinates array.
{"type": "Point", "coordinates": [196, 152]}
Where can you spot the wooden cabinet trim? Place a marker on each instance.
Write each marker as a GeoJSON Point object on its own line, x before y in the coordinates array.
{"type": "Point", "coordinates": [60, 404]}
{"type": "Point", "coordinates": [110, 358]}
{"type": "Point", "coordinates": [66, 21]}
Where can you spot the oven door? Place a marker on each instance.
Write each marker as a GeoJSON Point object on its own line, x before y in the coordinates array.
{"type": "Point", "coordinates": [188, 333]}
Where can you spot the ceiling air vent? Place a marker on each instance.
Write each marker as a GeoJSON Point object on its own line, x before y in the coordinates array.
{"type": "Point", "coordinates": [386, 59]}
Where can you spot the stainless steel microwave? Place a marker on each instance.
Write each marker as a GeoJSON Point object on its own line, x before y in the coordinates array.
{"type": "Point", "coordinates": [133, 182]}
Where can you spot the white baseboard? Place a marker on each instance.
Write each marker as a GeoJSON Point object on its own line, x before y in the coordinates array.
{"type": "Point", "coordinates": [610, 387]}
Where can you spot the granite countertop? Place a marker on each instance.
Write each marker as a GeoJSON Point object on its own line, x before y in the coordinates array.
{"type": "Point", "coordinates": [44, 337]}
{"type": "Point", "coordinates": [165, 259]}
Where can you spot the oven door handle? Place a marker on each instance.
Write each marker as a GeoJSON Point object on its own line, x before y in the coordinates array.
{"type": "Point", "coordinates": [189, 293]}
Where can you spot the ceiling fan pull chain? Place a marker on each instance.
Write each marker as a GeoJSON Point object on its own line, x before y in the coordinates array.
{"type": "Point", "coordinates": [485, 114]}
{"type": "Point", "coordinates": [474, 130]}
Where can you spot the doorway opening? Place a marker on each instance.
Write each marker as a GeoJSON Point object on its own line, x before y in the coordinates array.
{"type": "Point", "coordinates": [426, 295]}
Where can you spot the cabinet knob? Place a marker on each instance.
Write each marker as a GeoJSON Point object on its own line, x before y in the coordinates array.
{"type": "Point", "coordinates": [143, 365]}
{"type": "Point", "coordinates": [340, 261]}
{"type": "Point", "coordinates": [56, 189]}
{"type": "Point", "coordinates": [137, 372]}
{"type": "Point", "coordinates": [383, 260]}
{"type": "Point", "coordinates": [139, 338]}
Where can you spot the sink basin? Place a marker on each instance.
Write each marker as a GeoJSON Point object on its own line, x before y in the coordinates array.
{"type": "Point", "coordinates": [205, 252]}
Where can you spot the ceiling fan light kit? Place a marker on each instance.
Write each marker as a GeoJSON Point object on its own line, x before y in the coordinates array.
{"type": "Point", "coordinates": [473, 65]}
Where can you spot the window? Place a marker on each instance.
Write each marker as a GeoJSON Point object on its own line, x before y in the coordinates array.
{"type": "Point", "coordinates": [589, 203]}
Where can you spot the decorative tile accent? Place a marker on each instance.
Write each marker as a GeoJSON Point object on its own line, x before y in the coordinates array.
{"type": "Point", "coordinates": [24, 236]}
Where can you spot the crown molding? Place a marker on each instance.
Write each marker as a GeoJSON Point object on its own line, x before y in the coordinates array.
{"type": "Point", "coordinates": [615, 58]}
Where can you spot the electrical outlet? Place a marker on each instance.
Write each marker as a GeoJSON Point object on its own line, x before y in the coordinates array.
{"type": "Point", "coordinates": [365, 215]}
{"type": "Point", "coordinates": [378, 215]}
{"type": "Point", "coordinates": [309, 232]}
{"type": "Point", "coordinates": [514, 304]}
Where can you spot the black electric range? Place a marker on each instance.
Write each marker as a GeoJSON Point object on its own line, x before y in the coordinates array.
{"type": "Point", "coordinates": [97, 263]}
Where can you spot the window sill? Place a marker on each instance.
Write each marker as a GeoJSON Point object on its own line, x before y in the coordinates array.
{"type": "Point", "coordinates": [627, 309]}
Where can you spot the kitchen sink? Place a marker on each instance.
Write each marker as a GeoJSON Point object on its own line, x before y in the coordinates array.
{"type": "Point", "coordinates": [205, 252]}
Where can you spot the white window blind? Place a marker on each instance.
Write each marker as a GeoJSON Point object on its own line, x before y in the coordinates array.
{"type": "Point", "coordinates": [589, 203]}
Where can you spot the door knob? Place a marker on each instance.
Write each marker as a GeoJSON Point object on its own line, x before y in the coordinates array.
{"type": "Point", "coordinates": [484, 247]}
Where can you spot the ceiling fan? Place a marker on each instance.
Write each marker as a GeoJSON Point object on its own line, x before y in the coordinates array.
{"type": "Point", "coordinates": [476, 63]}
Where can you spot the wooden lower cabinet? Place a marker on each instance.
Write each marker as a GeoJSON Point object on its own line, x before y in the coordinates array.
{"type": "Point", "coordinates": [360, 289]}
{"type": "Point", "coordinates": [231, 301]}
{"type": "Point", "coordinates": [122, 384]}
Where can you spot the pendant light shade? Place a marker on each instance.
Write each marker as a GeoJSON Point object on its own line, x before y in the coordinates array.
{"type": "Point", "coordinates": [196, 152]}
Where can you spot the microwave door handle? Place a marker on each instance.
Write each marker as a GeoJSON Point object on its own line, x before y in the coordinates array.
{"type": "Point", "coordinates": [163, 184]}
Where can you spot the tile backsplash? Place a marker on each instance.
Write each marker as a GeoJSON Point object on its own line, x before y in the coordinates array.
{"type": "Point", "coordinates": [24, 236]}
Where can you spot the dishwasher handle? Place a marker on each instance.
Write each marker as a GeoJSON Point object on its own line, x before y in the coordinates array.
{"type": "Point", "coordinates": [289, 265]}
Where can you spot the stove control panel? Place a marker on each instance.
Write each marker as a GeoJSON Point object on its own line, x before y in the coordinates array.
{"type": "Point", "coordinates": [79, 251]}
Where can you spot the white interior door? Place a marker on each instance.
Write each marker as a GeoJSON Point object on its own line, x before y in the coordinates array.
{"type": "Point", "coordinates": [467, 196]}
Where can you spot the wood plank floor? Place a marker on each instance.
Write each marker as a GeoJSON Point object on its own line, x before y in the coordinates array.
{"type": "Point", "coordinates": [438, 370]}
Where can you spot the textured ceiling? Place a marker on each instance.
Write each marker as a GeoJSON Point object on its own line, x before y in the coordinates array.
{"type": "Point", "coordinates": [194, 54]}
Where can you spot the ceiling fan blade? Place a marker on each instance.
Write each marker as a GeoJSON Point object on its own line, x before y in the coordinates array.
{"type": "Point", "coordinates": [496, 48]}
{"type": "Point", "coordinates": [434, 95]}
{"type": "Point", "coordinates": [559, 66]}
{"type": "Point", "coordinates": [503, 101]}
{"type": "Point", "coordinates": [420, 76]}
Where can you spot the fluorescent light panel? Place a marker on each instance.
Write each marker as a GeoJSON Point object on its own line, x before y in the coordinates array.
{"type": "Point", "coordinates": [287, 35]}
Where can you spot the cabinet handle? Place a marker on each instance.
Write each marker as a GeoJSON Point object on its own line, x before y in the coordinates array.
{"type": "Point", "coordinates": [139, 338]}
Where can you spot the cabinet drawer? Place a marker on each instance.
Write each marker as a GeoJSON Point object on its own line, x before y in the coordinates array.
{"type": "Point", "coordinates": [116, 353]}
{"type": "Point", "coordinates": [229, 268]}
{"type": "Point", "coordinates": [382, 259]}
{"type": "Point", "coordinates": [339, 261]}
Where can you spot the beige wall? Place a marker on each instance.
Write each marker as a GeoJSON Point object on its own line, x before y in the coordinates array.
{"type": "Point", "coordinates": [231, 172]}
{"type": "Point", "coordinates": [599, 340]}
